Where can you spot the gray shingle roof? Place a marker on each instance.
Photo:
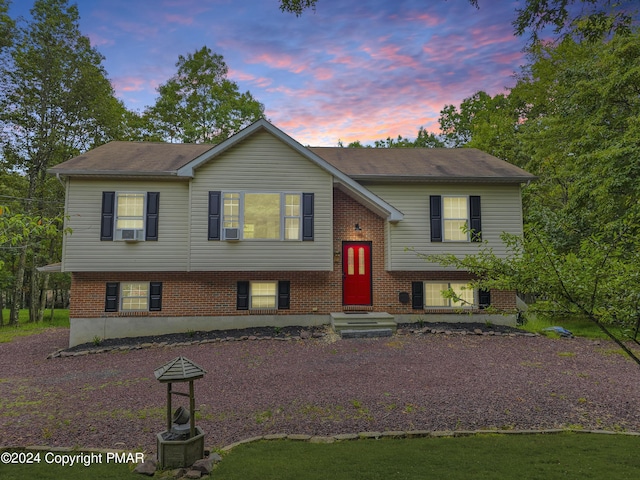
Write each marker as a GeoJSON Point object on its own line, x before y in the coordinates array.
{"type": "Point", "coordinates": [132, 158]}
{"type": "Point", "coordinates": [421, 164]}
{"type": "Point", "coordinates": [370, 164]}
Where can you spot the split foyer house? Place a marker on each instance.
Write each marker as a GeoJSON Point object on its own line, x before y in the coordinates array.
{"type": "Point", "coordinates": [260, 230]}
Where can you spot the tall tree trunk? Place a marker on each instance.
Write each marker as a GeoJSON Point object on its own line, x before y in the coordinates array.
{"type": "Point", "coordinates": [34, 295]}
{"type": "Point", "coordinates": [18, 287]}
{"type": "Point", "coordinates": [1, 308]}
{"type": "Point", "coordinates": [54, 295]}
{"type": "Point", "coordinates": [44, 288]}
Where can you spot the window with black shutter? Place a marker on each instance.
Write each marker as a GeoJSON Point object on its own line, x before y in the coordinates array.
{"type": "Point", "coordinates": [214, 215]}
{"type": "Point", "coordinates": [417, 295]}
{"type": "Point", "coordinates": [284, 295]}
{"type": "Point", "coordinates": [108, 215]}
{"type": "Point", "coordinates": [435, 212]}
{"type": "Point", "coordinates": [307, 216]}
{"type": "Point", "coordinates": [112, 297]}
{"type": "Point", "coordinates": [242, 301]}
{"type": "Point", "coordinates": [155, 296]}
{"type": "Point", "coordinates": [153, 208]}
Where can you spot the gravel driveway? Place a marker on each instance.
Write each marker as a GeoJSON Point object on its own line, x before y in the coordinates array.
{"type": "Point", "coordinates": [317, 387]}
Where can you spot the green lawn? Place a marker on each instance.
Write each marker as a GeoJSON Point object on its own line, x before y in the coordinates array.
{"type": "Point", "coordinates": [49, 467]}
{"type": "Point", "coordinates": [578, 326]}
{"type": "Point", "coordinates": [8, 333]}
{"type": "Point", "coordinates": [499, 456]}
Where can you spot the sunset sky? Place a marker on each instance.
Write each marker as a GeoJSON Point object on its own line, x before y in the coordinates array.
{"type": "Point", "coordinates": [353, 70]}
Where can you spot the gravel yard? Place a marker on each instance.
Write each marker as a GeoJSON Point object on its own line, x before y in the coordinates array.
{"type": "Point", "coordinates": [317, 386]}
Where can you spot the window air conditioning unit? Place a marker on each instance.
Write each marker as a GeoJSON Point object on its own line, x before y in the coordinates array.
{"type": "Point", "coordinates": [231, 234]}
{"type": "Point", "coordinates": [131, 235]}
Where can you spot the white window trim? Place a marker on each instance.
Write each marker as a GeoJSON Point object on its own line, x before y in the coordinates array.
{"type": "Point", "coordinates": [275, 295]}
{"type": "Point", "coordinates": [122, 297]}
{"type": "Point", "coordinates": [467, 219]}
{"type": "Point", "coordinates": [140, 232]}
{"type": "Point", "coordinates": [283, 216]}
{"type": "Point", "coordinates": [450, 305]}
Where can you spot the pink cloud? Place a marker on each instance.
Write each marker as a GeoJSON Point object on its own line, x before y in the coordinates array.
{"type": "Point", "coordinates": [98, 40]}
{"type": "Point", "coordinates": [179, 19]}
{"type": "Point", "coordinates": [278, 61]}
{"type": "Point", "coordinates": [427, 19]}
{"type": "Point", "coordinates": [261, 82]}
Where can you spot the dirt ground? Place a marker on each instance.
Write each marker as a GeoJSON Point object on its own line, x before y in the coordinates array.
{"type": "Point", "coordinates": [318, 386]}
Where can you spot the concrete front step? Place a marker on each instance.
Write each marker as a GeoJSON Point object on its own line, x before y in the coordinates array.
{"type": "Point", "coordinates": [365, 321]}
{"type": "Point", "coordinates": [362, 333]}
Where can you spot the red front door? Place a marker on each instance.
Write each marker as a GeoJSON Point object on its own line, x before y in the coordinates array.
{"type": "Point", "coordinates": [356, 273]}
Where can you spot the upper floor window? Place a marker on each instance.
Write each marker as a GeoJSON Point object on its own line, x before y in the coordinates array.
{"type": "Point", "coordinates": [455, 218]}
{"type": "Point", "coordinates": [130, 216]}
{"type": "Point", "coordinates": [261, 216]}
{"type": "Point", "coordinates": [455, 214]}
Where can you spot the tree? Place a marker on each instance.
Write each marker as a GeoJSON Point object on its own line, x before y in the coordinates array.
{"type": "Point", "coordinates": [199, 104]}
{"type": "Point", "coordinates": [577, 128]}
{"type": "Point", "coordinates": [55, 101]}
{"type": "Point", "coordinates": [580, 130]}
{"type": "Point", "coordinates": [597, 281]}
{"type": "Point", "coordinates": [423, 140]}
{"type": "Point", "coordinates": [7, 25]}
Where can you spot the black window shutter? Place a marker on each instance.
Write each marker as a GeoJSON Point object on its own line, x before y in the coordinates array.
{"type": "Point", "coordinates": [484, 298]}
{"type": "Point", "coordinates": [108, 210]}
{"type": "Point", "coordinates": [307, 217]}
{"type": "Point", "coordinates": [155, 296]}
{"type": "Point", "coordinates": [475, 218]}
{"type": "Point", "coordinates": [435, 211]}
{"type": "Point", "coordinates": [417, 295]}
{"type": "Point", "coordinates": [153, 207]}
{"type": "Point", "coordinates": [111, 297]}
{"type": "Point", "coordinates": [284, 295]}
{"type": "Point", "coordinates": [242, 302]}
{"type": "Point", "coordinates": [214, 215]}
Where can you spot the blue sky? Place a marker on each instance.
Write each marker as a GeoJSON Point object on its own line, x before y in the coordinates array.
{"type": "Point", "coordinates": [353, 70]}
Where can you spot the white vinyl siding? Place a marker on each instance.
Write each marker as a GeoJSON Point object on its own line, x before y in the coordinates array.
{"type": "Point", "coordinates": [83, 251]}
{"type": "Point", "coordinates": [262, 164]}
{"type": "Point", "coordinates": [500, 208]}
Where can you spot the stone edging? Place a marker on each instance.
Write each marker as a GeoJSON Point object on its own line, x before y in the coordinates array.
{"type": "Point", "coordinates": [62, 353]}
{"type": "Point", "coordinates": [412, 434]}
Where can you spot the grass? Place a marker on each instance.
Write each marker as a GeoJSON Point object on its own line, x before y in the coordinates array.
{"type": "Point", "coordinates": [50, 468]}
{"type": "Point", "coordinates": [24, 328]}
{"type": "Point", "coordinates": [539, 456]}
{"type": "Point", "coordinates": [566, 455]}
{"type": "Point", "coordinates": [580, 327]}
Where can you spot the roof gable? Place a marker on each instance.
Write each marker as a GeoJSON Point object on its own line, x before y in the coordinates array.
{"type": "Point", "coordinates": [352, 187]}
